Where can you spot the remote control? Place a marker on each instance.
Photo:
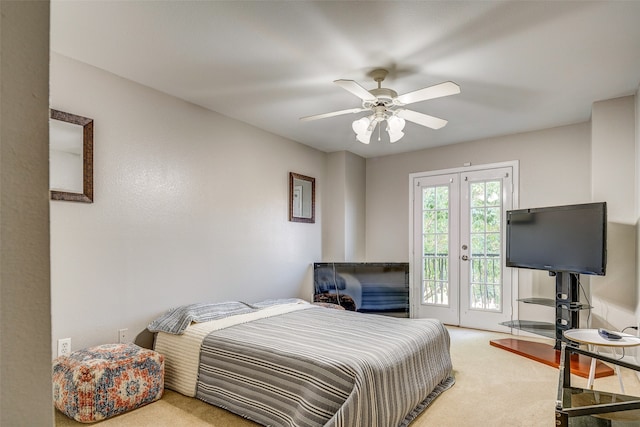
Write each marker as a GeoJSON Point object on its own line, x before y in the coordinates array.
{"type": "Point", "coordinates": [608, 335]}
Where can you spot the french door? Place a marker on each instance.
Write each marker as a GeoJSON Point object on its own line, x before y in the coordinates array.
{"type": "Point", "coordinates": [458, 272]}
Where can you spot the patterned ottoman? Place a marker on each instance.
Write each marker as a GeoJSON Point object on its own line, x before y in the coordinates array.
{"type": "Point", "coordinates": [100, 382]}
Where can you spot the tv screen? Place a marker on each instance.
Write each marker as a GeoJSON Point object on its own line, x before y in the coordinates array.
{"type": "Point", "coordinates": [570, 238]}
{"type": "Point", "coordinates": [368, 287]}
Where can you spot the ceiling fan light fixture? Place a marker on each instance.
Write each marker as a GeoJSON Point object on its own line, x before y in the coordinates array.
{"type": "Point", "coordinates": [364, 137]}
{"type": "Point", "coordinates": [363, 128]}
{"type": "Point", "coordinates": [360, 126]}
{"type": "Point", "coordinates": [395, 124]}
{"type": "Point", "coordinates": [385, 104]}
{"type": "Point", "coordinates": [395, 136]}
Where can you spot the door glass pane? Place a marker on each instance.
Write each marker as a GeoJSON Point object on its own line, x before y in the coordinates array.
{"type": "Point", "coordinates": [477, 195]}
{"type": "Point", "coordinates": [477, 245]}
{"type": "Point", "coordinates": [494, 191]}
{"type": "Point", "coordinates": [442, 221]}
{"type": "Point", "coordinates": [478, 220]}
{"type": "Point", "coordinates": [435, 241]}
{"type": "Point", "coordinates": [442, 246]}
{"type": "Point", "coordinates": [493, 219]}
{"type": "Point", "coordinates": [486, 251]}
{"type": "Point", "coordinates": [428, 198]}
{"type": "Point", "coordinates": [429, 221]}
{"type": "Point", "coordinates": [486, 295]}
{"type": "Point", "coordinates": [436, 291]}
{"type": "Point", "coordinates": [443, 197]}
{"type": "Point", "coordinates": [429, 244]}
{"type": "Point", "coordinates": [477, 270]}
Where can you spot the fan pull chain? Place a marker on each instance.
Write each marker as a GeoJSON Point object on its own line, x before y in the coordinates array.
{"type": "Point", "coordinates": [379, 133]}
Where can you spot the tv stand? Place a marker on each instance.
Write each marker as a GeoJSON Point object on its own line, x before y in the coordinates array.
{"type": "Point", "coordinates": [568, 306]}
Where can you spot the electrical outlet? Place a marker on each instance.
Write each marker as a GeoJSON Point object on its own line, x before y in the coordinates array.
{"type": "Point", "coordinates": [122, 335]}
{"type": "Point", "coordinates": [64, 346]}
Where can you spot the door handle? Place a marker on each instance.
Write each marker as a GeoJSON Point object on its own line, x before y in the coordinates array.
{"type": "Point", "coordinates": [465, 258]}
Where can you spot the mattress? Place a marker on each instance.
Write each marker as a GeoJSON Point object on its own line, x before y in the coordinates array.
{"type": "Point", "coordinates": [303, 365]}
{"type": "Point", "coordinates": [182, 352]}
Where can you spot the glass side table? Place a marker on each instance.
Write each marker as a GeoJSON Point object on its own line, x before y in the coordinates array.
{"type": "Point", "coordinates": [578, 407]}
{"type": "Point", "coordinates": [592, 338]}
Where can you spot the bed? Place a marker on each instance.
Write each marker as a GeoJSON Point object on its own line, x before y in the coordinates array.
{"type": "Point", "coordinates": [291, 363]}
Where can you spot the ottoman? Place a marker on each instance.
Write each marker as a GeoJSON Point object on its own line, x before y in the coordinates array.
{"type": "Point", "coordinates": [99, 382]}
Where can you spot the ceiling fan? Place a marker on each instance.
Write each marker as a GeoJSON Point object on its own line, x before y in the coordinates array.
{"type": "Point", "coordinates": [385, 104]}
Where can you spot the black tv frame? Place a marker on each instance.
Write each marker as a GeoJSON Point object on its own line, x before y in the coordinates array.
{"type": "Point", "coordinates": [599, 270]}
{"type": "Point", "coordinates": [356, 268]}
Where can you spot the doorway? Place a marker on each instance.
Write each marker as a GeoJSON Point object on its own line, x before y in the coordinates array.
{"type": "Point", "coordinates": [457, 245]}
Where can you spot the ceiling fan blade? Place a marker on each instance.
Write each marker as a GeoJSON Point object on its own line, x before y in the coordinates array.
{"type": "Point", "coordinates": [356, 89]}
{"type": "Point", "coordinates": [421, 119]}
{"type": "Point", "coordinates": [332, 114]}
{"type": "Point", "coordinates": [431, 92]}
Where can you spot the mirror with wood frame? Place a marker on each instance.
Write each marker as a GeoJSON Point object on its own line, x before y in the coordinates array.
{"type": "Point", "coordinates": [70, 157]}
{"type": "Point", "coordinates": [302, 198]}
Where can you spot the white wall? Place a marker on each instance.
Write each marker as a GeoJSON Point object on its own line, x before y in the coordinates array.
{"type": "Point", "coordinates": [333, 222]}
{"type": "Point", "coordinates": [344, 224]}
{"type": "Point", "coordinates": [614, 295]}
{"type": "Point", "coordinates": [25, 312]}
{"type": "Point", "coordinates": [613, 157]}
{"type": "Point", "coordinates": [189, 206]}
{"type": "Point", "coordinates": [554, 170]}
{"type": "Point", "coordinates": [355, 214]}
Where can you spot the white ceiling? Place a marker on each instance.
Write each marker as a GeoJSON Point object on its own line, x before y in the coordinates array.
{"type": "Point", "coordinates": [521, 65]}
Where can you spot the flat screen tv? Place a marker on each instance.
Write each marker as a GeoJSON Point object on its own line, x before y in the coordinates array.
{"type": "Point", "coordinates": [570, 238]}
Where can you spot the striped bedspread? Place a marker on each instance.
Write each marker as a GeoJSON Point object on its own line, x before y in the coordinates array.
{"type": "Point", "coordinates": [182, 351]}
{"type": "Point", "coordinates": [323, 367]}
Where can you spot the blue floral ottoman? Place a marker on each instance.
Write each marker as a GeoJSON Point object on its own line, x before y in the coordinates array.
{"type": "Point", "coordinates": [100, 382]}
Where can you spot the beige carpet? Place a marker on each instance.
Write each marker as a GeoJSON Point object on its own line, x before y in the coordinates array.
{"type": "Point", "coordinates": [493, 387]}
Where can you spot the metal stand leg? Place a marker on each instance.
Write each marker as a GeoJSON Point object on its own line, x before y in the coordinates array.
{"type": "Point", "coordinates": [592, 371]}
{"type": "Point", "coordinates": [619, 378]}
